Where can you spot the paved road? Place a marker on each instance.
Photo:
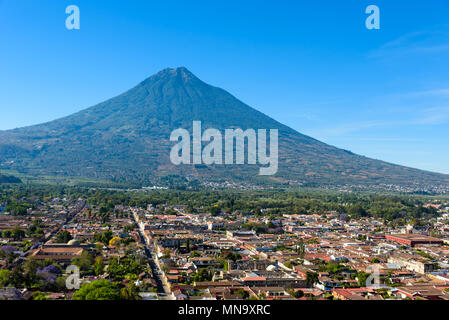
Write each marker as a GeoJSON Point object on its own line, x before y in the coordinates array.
{"type": "Point", "coordinates": [79, 206]}
{"type": "Point", "coordinates": [162, 287]}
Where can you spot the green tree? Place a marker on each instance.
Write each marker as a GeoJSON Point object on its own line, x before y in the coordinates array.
{"type": "Point", "coordinates": [98, 266]}
{"type": "Point", "coordinates": [311, 278]}
{"type": "Point", "coordinates": [39, 296]}
{"type": "Point", "coordinates": [7, 234]}
{"type": "Point", "coordinates": [130, 292]}
{"type": "Point", "coordinates": [301, 249]}
{"type": "Point", "coordinates": [104, 237]}
{"type": "Point", "coordinates": [215, 210]}
{"type": "Point", "coordinates": [4, 278]}
{"type": "Point", "coordinates": [30, 269]}
{"type": "Point", "coordinates": [296, 294]}
{"type": "Point", "coordinates": [63, 237]}
{"type": "Point", "coordinates": [243, 293]}
{"type": "Point", "coordinates": [18, 234]}
{"type": "Point", "coordinates": [98, 290]}
{"type": "Point", "coordinates": [202, 275]}
{"type": "Point", "coordinates": [60, 283]}
{"type": "Point", "coordinates": [16, 277]}
{"type": "Point", "coordinates": [119, 269]}
{"type": "Point", "coordinates": [357, 211]}
{"type": "Point", "coordinates": [362, 276]}
{"type": "Point", "coordinates": [85, 261]}
{"type": "Point", "coordinates": [17, 209]}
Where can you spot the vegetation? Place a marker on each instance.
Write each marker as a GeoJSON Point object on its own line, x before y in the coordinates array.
{"type": "Point", "coordinates": [63, 237]}
{"type": "Point", "coordinates": [9, 179]}
{"type": "Point", "coordinates": [98, 290]}
{"type": "Point", "coordinates": [396, 209]}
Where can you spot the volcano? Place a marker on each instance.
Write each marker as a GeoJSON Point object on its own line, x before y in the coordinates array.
{"type": "Point", "coordinates": [127, 140]}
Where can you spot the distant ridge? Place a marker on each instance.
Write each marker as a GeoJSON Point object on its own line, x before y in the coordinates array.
{"type": "Point", "coordinates": [9, 179]}
{"type": "Point", "coordinates": [126, 139]}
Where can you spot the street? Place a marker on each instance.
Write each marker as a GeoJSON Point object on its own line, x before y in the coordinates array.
{"type": "Point", "coordinates": [162, 286]}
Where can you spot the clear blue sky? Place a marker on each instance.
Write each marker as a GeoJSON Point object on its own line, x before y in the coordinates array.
{"type": "Point", "coordinates": [309, 64]}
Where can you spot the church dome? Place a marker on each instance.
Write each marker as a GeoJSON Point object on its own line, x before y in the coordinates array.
{"type": "Point", "coordinates": [73, 242]}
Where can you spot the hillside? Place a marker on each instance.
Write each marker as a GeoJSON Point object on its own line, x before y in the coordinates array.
{"type": "Point", "coordinates": [9, 179]}
{"type": "Point", "coordinates": [126, 139]}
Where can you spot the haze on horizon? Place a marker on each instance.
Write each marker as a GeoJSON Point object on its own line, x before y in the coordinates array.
{"type": "Point", "coordinates": [314, 67]}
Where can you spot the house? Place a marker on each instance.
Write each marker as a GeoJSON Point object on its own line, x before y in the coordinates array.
{"type": "Point", "coordinates": [62, 255]}
{"type": "Point", "coordinates": [421, 292]}
{"type": "Point", "coordinates": [272, 293]}
{"type": "Point", "coordinates": [203, 261]}
{"type": "Point", "coordinates": [211, 284]}
{"type": "Point", "coordinates": [413, 239]}
{"type": "Point", "coordinates": [412, 263]}
{"type": "Point", "coordinates": [355, 294]}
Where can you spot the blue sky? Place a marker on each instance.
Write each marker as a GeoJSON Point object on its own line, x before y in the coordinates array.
{"type": "Point", "coordinates": [309, 64]}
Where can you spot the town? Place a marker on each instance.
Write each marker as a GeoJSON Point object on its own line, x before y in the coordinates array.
{"type": "Point", "coordinates": [173, 245]}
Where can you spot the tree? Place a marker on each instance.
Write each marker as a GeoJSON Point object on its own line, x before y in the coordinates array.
{"type": "Point", "coordinates": [166, 254]}
{"type": "Point", "coordinates": [17, 209]}
{"type": "Point", "coordinates": [215, 210]}
{"type": "Point", "coordinates": [104, 237]}
{"type": "Point", "coordinates": [4, 278]}
{"type": "Point", "coordinates": [202, 275]}
{"type": "Point", "coordinates": [311, 278]}
{"type": "Point", "coordinates": [39, 296]}
{"type": "Point", "coordinates": [98, 266]}
{"type": "Point", "coordinates": [243, 293]}
{"type": "Point", "coordinates": [84, 261]}
{"type": "Point", "coordinates": [130, 292]}
{"type": "Point", "coordinates": [233, 256]}
{"type": "Point", "coordinates": [18, 234]}
{"type": "Point", "coordinates": [115, 241]}
{"type": "Point", "coordinates": [297, 294]}
{"type": "Point", "coordinates": [7, 234]}
{"type": "Point", "coordinates": [362, 276]}
{"type": "Point", "coordinates": [30, 269]}
{"type": "Point", "coordinates": [119, 269]}
{"type": "Point", "coordinates": [128, 228]}
{"type": "Point", "coordinates": [357, 211]}
{"type": "Point", "coordinates": [63, 237]}
{"type": "Point", "coordinates": [60, 283]}
{"type": "Point", "coordinates": [301, 249]}
{"type": "Point", "coordinates": [98, 290]}
{"type": "Point", "coordinates": [16, 278]}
